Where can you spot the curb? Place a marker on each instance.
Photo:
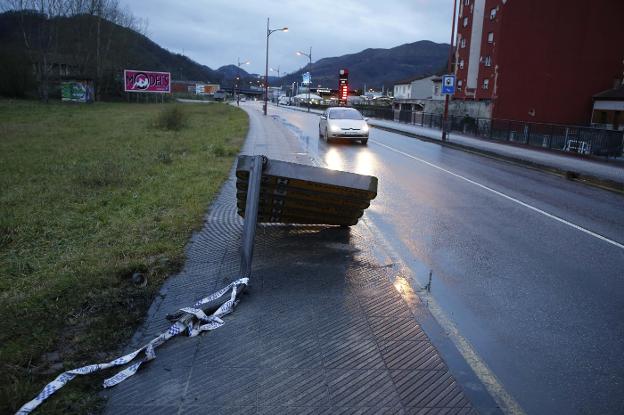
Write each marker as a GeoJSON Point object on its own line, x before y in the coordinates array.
{"type": "Point", "coordinates": [605, 184]}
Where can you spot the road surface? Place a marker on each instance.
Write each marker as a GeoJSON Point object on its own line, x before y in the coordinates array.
{"type": "Point", "coordinates": [527, 268]}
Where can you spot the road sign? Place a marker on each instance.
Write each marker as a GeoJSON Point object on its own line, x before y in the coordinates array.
{"type": "Point", "coordinates": [297, 193]}
{"type": "Point", "coordinates": [306, 78]}
{"type": "Point", "coordinates": [448, 84]}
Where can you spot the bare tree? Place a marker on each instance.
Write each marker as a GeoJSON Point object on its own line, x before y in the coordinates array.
{"type": "Point", "coordinates": [85, 42]}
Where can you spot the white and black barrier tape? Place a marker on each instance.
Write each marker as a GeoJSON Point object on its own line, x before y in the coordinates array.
{"type": "Point", "coordinates": [201, 322]}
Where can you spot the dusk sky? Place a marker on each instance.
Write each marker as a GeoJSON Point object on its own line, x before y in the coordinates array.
{"type": "Point", "coordinates": [217, 32]}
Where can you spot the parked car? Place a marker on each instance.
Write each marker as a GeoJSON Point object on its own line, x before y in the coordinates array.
{"type": "Point", "coordinates": [343, 122]}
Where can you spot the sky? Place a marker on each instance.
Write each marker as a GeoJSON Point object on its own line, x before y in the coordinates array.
{"type": "Point", "coordinates": [220, 32]}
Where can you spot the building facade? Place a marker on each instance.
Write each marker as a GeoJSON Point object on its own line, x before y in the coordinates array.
{"type": "Point", "coordinates": [536, 60]}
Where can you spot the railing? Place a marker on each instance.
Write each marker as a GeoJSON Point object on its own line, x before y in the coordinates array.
{"type": "Point", "coordinates": [583, 140]}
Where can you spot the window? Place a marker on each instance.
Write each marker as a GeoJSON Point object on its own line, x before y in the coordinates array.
{"type": "Point", "coordinates": [488, 61]}
{"type": "Point", "coordinates": [461, 64]}
{"type": "Point", "coordinates": [345, 114]}
{"type": "Point", "coordinates": [465, 21]}
{"type": "Point", "coordinates": [491, 37]}
{"type": "Point", "coordinates": [493, 14]}
{"type": "Point", "coordinates": [463, 43]}
{"type": "Point", "coordinates": [486, 83]}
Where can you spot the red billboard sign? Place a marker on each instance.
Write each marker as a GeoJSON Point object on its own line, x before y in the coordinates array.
{"type": "Point", "coordinates": [147, 81]}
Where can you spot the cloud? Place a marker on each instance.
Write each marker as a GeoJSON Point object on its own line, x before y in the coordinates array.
{"type": "Point", "coordinates": [217, 32]}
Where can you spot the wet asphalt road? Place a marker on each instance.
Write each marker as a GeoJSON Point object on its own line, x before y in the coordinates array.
{"type": "Point", "coordinates": [540, 302]}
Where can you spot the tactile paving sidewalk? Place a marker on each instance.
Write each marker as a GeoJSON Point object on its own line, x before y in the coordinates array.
{"type": "Point", "coordinates": [321, 330]}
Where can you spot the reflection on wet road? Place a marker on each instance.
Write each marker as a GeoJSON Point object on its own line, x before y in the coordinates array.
{"type": "Point", "coordinates": [539, 301]}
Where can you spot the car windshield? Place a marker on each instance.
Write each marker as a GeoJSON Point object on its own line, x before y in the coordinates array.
{"type": "Point", "coordinates": [345, 114]}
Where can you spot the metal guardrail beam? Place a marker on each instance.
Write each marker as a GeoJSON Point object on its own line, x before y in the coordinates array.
{"type": "Point", "coordinates": [255, 166]}
{"type": "Point", "coordinates": [296, 193]}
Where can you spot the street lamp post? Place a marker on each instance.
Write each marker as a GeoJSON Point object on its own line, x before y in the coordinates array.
{"type": "Point", "coordinates": [309, 56]}
{"type": "Point", "coordinates": [238, 79]}
{"type": "Point", "coordinates": [266, 68]}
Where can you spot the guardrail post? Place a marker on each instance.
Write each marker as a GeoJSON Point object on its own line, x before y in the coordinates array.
{"type": "Point", "coordinates": [251, 214]}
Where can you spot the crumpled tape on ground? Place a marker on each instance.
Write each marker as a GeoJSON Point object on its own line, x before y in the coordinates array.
{"type": "Point", "coordinates": [193, 328]}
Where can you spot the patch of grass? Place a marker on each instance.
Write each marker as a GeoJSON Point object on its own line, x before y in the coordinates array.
{"type": "Point", "coordinates": [88, 196]}
{"type": "Point", "coordinates": [172, 118]}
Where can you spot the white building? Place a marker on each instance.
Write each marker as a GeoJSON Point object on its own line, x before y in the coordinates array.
{"type": "Point", "coordinates": [417, 88]}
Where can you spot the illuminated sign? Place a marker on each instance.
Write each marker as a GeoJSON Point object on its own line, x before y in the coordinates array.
{"type": "Point", "coordinates": [343, 85]}
{"type": "Point", "coordinates": [307, 79]}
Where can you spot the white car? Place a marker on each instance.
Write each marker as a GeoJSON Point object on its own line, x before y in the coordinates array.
{"type": "Point", "coordinates": [343, 122]}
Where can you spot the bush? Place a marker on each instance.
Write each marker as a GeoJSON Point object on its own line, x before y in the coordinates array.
{"type": "Point", "coordinates": [171, 118]}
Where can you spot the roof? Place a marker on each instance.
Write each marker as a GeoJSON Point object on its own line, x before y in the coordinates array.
{"type": "Point", "coordinates": [611, 94]}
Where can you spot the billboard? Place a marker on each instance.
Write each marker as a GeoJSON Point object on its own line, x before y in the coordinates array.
{"type": "Point", "coordinates": [147, 81]}
{"type": "Point", "coordinates": [77, 91]}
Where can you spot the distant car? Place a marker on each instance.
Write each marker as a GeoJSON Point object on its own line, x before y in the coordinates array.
{"type": "Point", "coordinates": [343, 122]}
{"type": "Point", "coordinates": [283, 100]}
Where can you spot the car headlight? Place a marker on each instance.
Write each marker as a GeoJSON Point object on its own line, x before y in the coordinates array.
{"type": "Point", "coordinates": [334, 128]}
{"type": "Point", "coordinates": [365, 128]}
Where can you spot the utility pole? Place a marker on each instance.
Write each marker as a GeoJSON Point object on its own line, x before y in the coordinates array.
{"type": "Point", "coordinates": [448, 71]}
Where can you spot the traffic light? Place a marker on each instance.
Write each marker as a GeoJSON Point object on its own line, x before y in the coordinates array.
{"type": "Point", "coordinates": [343, 86]}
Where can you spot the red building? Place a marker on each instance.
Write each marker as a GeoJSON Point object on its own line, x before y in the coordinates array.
{"type": "Point", "coordinates": [539, 60]}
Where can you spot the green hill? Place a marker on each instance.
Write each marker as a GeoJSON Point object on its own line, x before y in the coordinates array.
{"type": "Point", "coordinates": [85, 47]}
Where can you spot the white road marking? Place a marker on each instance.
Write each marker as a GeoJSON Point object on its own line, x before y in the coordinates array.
{"type": "Point", "coordinates": [513, 199]}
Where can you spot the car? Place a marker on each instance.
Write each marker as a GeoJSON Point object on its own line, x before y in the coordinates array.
{"type": "Point", "coordinates": [343, 122]}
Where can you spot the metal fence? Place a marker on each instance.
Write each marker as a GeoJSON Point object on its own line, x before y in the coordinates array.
{"type": "Point", "coordinates": [583, 140]}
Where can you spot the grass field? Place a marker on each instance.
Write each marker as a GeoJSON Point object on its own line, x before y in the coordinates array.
{"type": "Point", "coordinates": [90, 194]}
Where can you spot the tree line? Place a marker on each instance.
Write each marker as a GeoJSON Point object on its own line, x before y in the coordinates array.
{"type": "Point", "coordinates": [45, 41]}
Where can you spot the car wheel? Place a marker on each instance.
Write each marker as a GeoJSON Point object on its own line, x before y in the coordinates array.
{"type": "Point", "coordinates": [364, 141]}
{"type": "Point", "coordinates": [320, 133]}
{"type": "Point", "coordinates": [326, 136]}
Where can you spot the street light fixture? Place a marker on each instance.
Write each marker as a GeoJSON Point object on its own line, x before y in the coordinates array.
{"type": "Point", "coordinates": [266, 68]}
{"type": "Point", "coordinates": [238, 79]}
{"type": "Point", "coordinates": [309, 56]}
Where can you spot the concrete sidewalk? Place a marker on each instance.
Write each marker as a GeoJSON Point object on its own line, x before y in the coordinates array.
{"type": "Point", "coordinates": [321, 329]}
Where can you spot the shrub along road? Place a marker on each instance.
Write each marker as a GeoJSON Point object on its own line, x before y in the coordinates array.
{"type": "Point", "coordinates": [90, 196]}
